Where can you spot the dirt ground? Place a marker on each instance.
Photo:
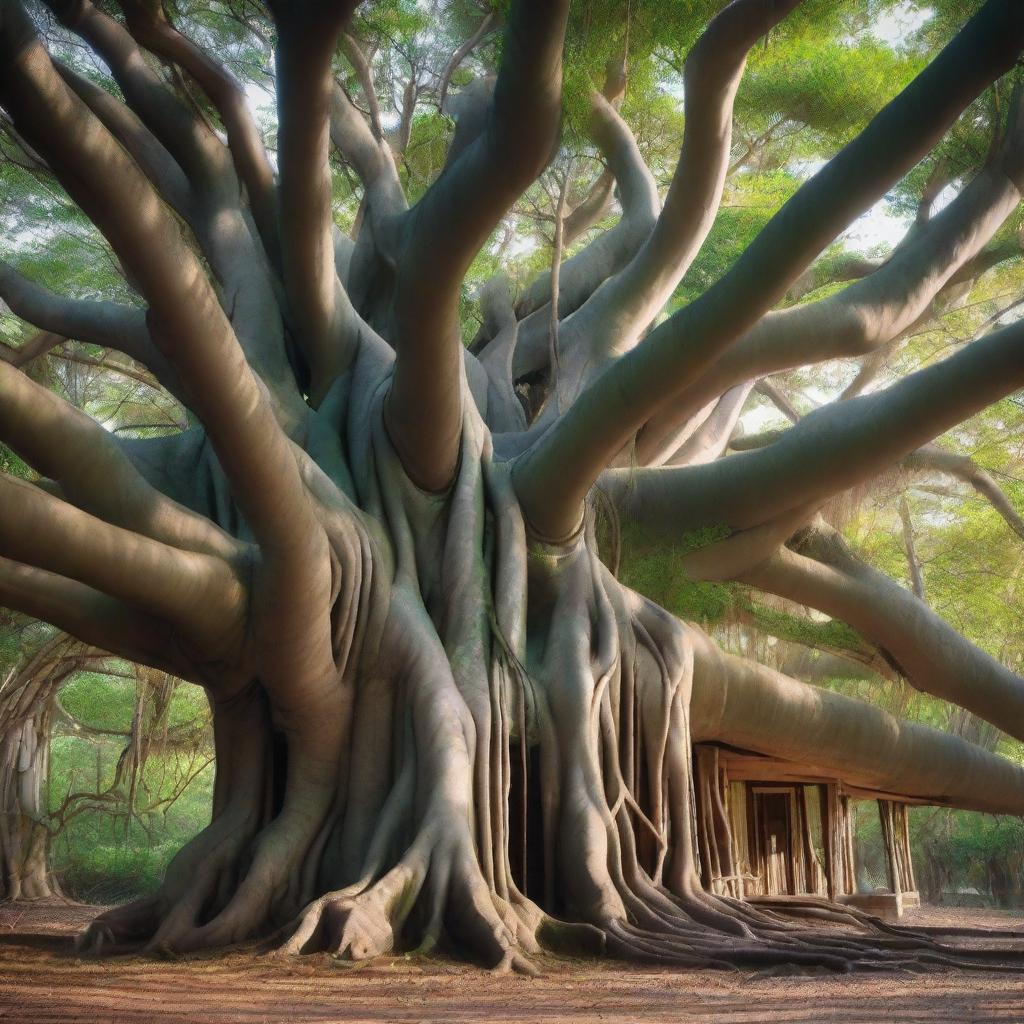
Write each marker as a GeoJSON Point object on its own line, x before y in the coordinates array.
{"type": "Point", "coordinates": [43, 980]}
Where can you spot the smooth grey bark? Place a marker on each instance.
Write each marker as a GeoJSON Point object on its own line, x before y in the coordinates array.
{"type": "Point", "coordinates": [863, 743]}
{"type": "Point", "coordinates": [559, 470]}
{"type": "Point", "coordinates": [879, 307]}
{"type": "Point", "coordinates": [932, 656]}
{"type": "Point", "coordinates": [429, 722]}
{"type": "Point", "coordinates": [828, 451]}
{"type": "Point", "coordinates": [27, 699]}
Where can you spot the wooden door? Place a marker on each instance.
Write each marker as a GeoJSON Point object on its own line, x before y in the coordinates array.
{"type": "Point", "coordinates": [773, 815]}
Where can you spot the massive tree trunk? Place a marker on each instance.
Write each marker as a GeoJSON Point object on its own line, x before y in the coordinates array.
{"type": "Point", "coordinates": [437, 712]}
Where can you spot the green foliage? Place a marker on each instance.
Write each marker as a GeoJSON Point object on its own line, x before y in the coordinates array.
{"type": "Point", "coordinates": [750, 202]}
{"type": "Point", "coordinates": [655, 570]}
{"type": "Point", "coordinates": [102, 856]}
{"type": "Point", "coordinates": [831, 87]}
{"type": "Point", "coordinates": [829, 633]}
{"type": "Point", "coordinates": [959, 851]}
{"type": "Point", "coordinates": [13, 465]}
{"type": "Point", "coordinates": [109, 848]}
{"type": "Point", "coordinates": [100, 701]}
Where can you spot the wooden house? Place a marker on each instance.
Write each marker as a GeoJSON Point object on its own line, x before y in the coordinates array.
{"type": "Point", "coordinates": [775, 831]}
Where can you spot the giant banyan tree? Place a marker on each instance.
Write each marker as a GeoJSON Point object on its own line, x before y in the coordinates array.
{"type": "Point", "coordinates": [385, 556]}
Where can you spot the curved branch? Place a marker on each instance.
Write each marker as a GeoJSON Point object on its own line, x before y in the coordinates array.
{"type": "Point", "coordinates": [445, 230]}
{"type": "Point", "coordinates": [608, 253]}
{"type": "Point", "coordinates": [931, 459]}
{"type": "Point", "coordinates": [504, 410]}
{"type": "Point", "coordinates": [933, 656]}
{"type": "Point", "coordinates": [615, 317]}
{"type": "Point", "coordinates": [878, 308]}
{"type": "Point", "coordinates": [186, 321]}
{"type": "Point", "coordinates": [748, 706]}
{"type": "Point", "coordinates": [206, 196]}
{"type": "Point", "coordinates": [846, 266]}
{"type": "Point", "coordinates": [199, 152]}
{"type": "Point", "coordinates": [148, 24]}
{"type": "Point", "coordinates": [469, 107]}
{"type": "Point", "coordinates": [39, 345]}
{"type": "Point", "coordinates": [354, 52]}
{"type": "Point", "coordinates": [370, 156]}
{"type": "Point", "coordinates": [197, 593]}
{"type": "Point", "coordinates": [831, 449]}
{"type": "Point", "coordinates": [94, 322]}
{"type": "Point", "coordinates": [108, 324]}
{"type": "Point", "coordinates": [487, 24]}
{"type": "Point", "coordinates": [64, 444]}
{"type": "Point", "coordinates": [146, 149]}
{"type": "Point", "coordinates": [553, 479]}
{"type": "Point", "coordinates": [711, 438]}
{"type": "Point", "coordinates": [307, 38]}
{"type": "Point", "coordinates": [85, 613]}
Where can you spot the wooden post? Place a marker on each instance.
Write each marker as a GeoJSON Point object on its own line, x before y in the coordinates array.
{"type": "Point", "coordinates": [885, 814]}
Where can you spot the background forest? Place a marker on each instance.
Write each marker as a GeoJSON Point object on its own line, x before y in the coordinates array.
{"type": "Point", "coordinates": [124, 772]}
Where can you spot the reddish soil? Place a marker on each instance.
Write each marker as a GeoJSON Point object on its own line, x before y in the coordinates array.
{"type": "Point", "coordinates": [42, 980]}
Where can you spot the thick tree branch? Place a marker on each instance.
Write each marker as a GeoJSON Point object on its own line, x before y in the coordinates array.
{"type": "Point", "coordinates": [146, 149]}
{"type": "Point", "coordinates": [64, 444]}
{"type": "Point", "coordinates": [186, 322]}
{"type": "Point", "coordinates": [445, 230]}
{"type": "Point", "coordinates": [553, 479]}
{"type": "Point", "coordinates": [148, 23]}
{"type": "Point", "coordinates": [369, 156]}
{"type": "Point", "coordinates": [711, 438]}
{"type": "Point", "coordinates": [209, 201]}
{"type": "Point", "coordinates": [876, 309]}
{"type": "Point", "coordinates": [307, 39]}
{"type": "Point", "coordinates": [95, 618]}
{"type": "Point", "coordinates": [746, 705]}
{"type": "Point", "coordinates": [198, 151]}
{"type": "Point", "coordinates": [831, 449]}
{"type": "Point", "coordinates": [109, 324]}
{"type": "Point", "coordinates": [608, 253]}
{"type": "Point", "coordinates": [199, 594]}
{"type": "Point", "coordinates": [824, 574]}
{"type": "Point", "coordinates": [614, 319]}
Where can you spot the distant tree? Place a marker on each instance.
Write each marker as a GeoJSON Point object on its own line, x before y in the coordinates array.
{"type": "Point", "coordinates": [26, 719]}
